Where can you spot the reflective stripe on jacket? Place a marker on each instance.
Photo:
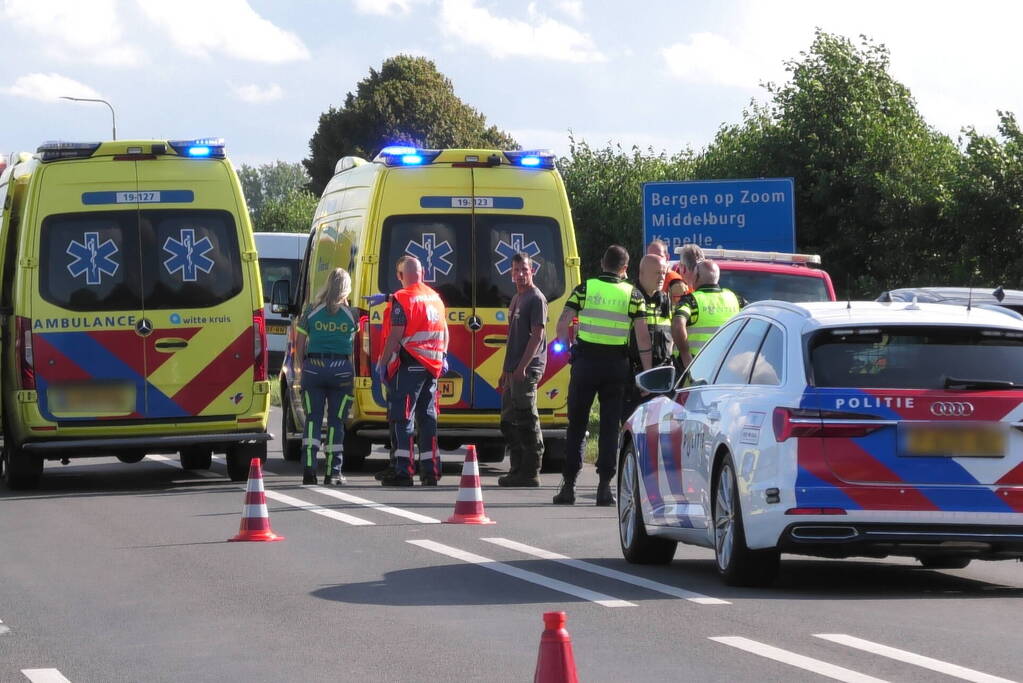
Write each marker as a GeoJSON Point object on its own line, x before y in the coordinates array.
{"type": "Point", "coordinates": [425, 327]}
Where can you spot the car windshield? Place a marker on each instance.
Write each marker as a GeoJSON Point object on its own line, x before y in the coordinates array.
{"type": "Point", "coordinates": [754, 285]}
{"type": "Point", "coordinates": [915, 357]}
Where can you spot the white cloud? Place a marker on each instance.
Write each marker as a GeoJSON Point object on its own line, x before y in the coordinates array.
{"type": "Point", "coordinates": [49, 87]}
{"type": "Point", "coordinates": [72, 30]}
{"type": "Point", "coordinates": [255, 94]}
{"type": "Point", "coordinates": [572, 9]}
{"type": "Point", "coordinates": [540, 37]}
{"type": "Point", "coordinates": [202, 28]}
{"type": "Point", "coordinates": [710, 59]}
{"type": "Point", "coordinates": [386, 8]}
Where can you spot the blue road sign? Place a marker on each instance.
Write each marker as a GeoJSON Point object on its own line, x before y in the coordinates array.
{"type": "Point", "coordinates": [758, 214]}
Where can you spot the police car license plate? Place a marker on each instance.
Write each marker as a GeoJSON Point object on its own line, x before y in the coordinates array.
{"type": "Point", "coordinates": [114, 397]}
{"type": "Point", "coordinates": [276, 329]}
{"type": "Point", "coordinates": [956, 441]}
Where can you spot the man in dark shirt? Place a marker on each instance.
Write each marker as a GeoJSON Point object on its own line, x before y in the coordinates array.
{"type": "Point", "coordinates": [524, 363]}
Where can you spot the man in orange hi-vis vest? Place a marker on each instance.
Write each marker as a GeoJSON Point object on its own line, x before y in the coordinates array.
{"type": "Point", "coordinates": [411, 361]}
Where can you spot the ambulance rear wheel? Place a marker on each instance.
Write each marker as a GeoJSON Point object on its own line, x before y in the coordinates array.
{"type": "Point", "coordinates": [239, 457]}
{"type": "Point", "coordinates": [291, 448]}
{"type": "Point", "coordinates": [21, 471]}
{"type": "Point", "coordinates": [356, 450]}
{"type": "Point", "coordinates": [196, 458]}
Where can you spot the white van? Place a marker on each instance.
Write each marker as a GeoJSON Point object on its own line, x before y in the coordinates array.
{"type": "Point", "coordinates": [280, 255]}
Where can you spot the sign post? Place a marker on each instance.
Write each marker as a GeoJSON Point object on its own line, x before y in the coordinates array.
{"type": "Point", "coordinates": [756, 214]}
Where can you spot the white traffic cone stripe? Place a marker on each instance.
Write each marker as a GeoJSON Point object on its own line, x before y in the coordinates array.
{"type": "Point", "coordinates": [255, 511]}
{"type": "Point", "coordinates": [469, 495]}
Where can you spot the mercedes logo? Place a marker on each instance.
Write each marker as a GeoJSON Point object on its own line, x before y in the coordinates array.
{"type": "Point", "coordinates": [144, 327]}
{"type": "Point", "coordinates": [952, 409]}
{"type": "Point", "coordinates": [475, 324]}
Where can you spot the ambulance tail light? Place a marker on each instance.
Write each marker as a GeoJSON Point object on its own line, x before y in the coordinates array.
{"type": "Point", "coordinates": [259, 345]}
{"type": "Point", "coordinates": [202, 148]}
{"type": "Point", "coordinates": [23, 352]}
{"type": "Point", "coordinates": [797, 422]}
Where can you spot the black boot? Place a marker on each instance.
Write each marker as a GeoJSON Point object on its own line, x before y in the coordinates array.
{"type": "Point", "coordinates": [566, 496]}
{"type": "Point", "coordinates": [605, 496]}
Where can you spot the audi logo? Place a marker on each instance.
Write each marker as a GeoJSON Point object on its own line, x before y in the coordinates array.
{"type": "Point", "coordinates": [952, 409]}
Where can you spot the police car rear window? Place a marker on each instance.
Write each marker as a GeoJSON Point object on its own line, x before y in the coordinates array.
{"type": "Point", "coordinates": [131, 260]}
{"type": "Point", "coordinates": [759, 286]}
{"type": "Point", "coordinates": [914, 357]}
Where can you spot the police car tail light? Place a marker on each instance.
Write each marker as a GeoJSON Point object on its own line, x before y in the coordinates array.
{"type": "Point", "coordinates": [797, 422]}
{"type": "Point", "coordinates": [534, 158]}
{"type": "Point", "coordinates": [402, 155]}
{"type": "Point", "coordinates": [23, 352]}
{"type": "Point", "coordinates": [259, 345]}
{"type": "Point", "coordinates": [202, 148]}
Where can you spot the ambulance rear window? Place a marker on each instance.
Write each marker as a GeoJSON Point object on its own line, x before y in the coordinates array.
{"type": "Point", "coordinates": [498, 237]}
{"type": "Point", "coordinates": [133, 260]}
{"type": "Point", "coordinates": [442, 243]}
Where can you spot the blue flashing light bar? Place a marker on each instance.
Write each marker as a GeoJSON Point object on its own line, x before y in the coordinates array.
{"type": "Point", "coordinates": [557, 347]}
{"type": "Point", "coordinates": [534, 158]}
{"type": "Point", "coordinates": [202, 148]}
{"type": "Point", "coordinates": [403, 155]}
{"type": "Point", "coordinates": [56, 150]}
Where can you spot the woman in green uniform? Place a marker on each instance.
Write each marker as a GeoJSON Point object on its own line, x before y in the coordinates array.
{"type": "Point", "coordinates": [323, 348]}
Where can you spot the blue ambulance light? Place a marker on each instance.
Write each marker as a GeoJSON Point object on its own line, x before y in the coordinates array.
{"type": "Point", "coordinates": [403, 155]}
{"type": "Point", "coordinates": [203, 148]}
{"type": "Point", "coordinates": [535, 158]}
{"type": "Point", "coordinates": [557, 347]}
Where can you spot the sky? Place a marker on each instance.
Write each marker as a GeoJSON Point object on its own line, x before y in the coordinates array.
{"type": "Point", "coordinates": [664, 74]}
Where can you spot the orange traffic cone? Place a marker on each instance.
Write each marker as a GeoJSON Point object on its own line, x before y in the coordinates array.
{"type": "Point", "coordinates": [469, 504]}
{"type": "Point", "coordinates": [255, 524]}
{"type": "Point", "coordinates": [555, 662]}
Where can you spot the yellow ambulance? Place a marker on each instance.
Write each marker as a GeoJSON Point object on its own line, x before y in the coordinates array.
{"type": "Point", "coordinates": [131, 308]}
{"type": "Point", "coordinates": [463, 213]}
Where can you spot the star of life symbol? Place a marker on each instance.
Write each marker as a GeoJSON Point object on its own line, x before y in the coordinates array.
{"type": "Point", "coordinates": [432, 255]}
{"type": "Point", "coordinates": [506, 251]}
{"type": "Point", "coordinates": [93, 259]}
{"type": "Point", "coordinates": [187, 255]}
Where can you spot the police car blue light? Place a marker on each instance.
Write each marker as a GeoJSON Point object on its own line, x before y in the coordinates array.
{"type": "Point", "coordinates": [557, 347]}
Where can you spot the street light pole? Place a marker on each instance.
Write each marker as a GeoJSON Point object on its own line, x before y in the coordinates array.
{"type": "Point", "coordinates": [113, 118]}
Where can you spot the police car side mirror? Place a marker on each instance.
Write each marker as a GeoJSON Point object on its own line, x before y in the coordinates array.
{"type": "Point", "coordinates": [280, 297]}
{"type": "Point", "coordinates": [659, 380]}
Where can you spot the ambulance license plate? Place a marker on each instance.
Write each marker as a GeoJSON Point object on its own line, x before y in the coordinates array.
{"type": "Point", "coordinates": [955, 441]}
{"type": "Point", "coordinates": [110, 397]}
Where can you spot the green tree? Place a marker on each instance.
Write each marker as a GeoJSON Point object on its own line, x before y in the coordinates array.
{"type": "Point", "coordinates": [408, 101]}
{"type": "Point", "coordinates": [873, 179]}
{"type": "Point", "coordinates": [277, 198]}
{"type": "Point", "coordinates": [291, 213]}
{"type": "Point", "coordinates": [605, 190]}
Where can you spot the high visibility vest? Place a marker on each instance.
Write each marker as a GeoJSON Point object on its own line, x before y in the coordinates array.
{"type": "Point", "coordinates": [713, 309]}
{"type": "Point", "coordinates": [659, 324]}
{"type": "Point", "coordinates": [425, 328]}
{"type": "Point", "coordinates": [604, 318]}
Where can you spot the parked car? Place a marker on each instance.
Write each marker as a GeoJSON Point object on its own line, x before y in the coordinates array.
{"type": "Point", "coordinates": [961, 296]}
{"type": "Point", "coordinates": [762, 275]}
{"type": "Point", "coordinates": [832, 430]}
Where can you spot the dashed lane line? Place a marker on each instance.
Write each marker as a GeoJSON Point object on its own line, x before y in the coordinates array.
{"type": "Point", "coordinates": [283, 498]}
{"type": "Point", "coordinates": [347, 497]}
{"type": "Point", "coordinates": [816, 666]}
{"type": "Point", "coordinates": [607, 572]}
{"type": "Point", "coordinates": [531, 577]}
{"type": "Point", "coordinates": [911, 658]}
{"type": "Point", "coordinates": [44, 676]}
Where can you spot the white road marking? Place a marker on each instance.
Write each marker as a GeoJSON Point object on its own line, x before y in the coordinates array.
{"type": "Point", "coordinates": [44, 676]}
{"type": "Point", "coordinates": [539, 579]}
{"type": "Point", "coordinates": [3, 628]}
{"type": "Point", "coordinates": [414, 516]}
{"type": "Point", "coordinates": [799, 661]}
{"type": "Point", "coordinates": [609, 573]}
{"type": "Point", "coordinates": [311, 507]}
{"type": "Point", "coordinates": [284, 498]}
{"type": "Point", "coordinates": [911, 658]}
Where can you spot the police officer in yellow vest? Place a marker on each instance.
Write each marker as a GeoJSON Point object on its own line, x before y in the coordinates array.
{"type": "Point", "coordinates": [701, 312]}
{"type": "Point", "coordinates": [607, 308]}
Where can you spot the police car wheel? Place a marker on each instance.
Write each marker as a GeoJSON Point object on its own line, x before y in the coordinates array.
{"type": "Point", "coordinates": [240, 455]}
{"type": "Point", "coordinates": [637, 546]}
{"type": "Point", "coordinates": [291, 449]}
{"type": "Point", "coordinates": [196, 458]}
{"type": "Point", "coordinates": [736, 563]}
{"type": "Point", "coordinates": [20, 470]}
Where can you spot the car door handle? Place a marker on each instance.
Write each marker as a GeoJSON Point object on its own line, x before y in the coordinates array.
{"type": "Point", "coordinates": [495, 340]}
{"type": "Point", "coordinates": [170, 345]}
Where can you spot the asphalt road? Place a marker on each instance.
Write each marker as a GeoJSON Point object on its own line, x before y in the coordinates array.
{"type": "Point", "coordinates": [113, 572]}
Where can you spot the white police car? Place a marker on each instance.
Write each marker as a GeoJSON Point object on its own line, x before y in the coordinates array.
{"type": "Point", "coordinates": [833, 429]}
